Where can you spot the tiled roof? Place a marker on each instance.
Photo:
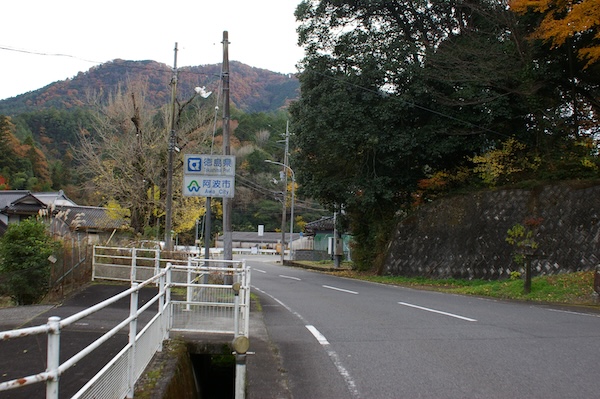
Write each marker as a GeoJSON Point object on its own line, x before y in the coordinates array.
{"type": "Point", "coordinates": [54, 198]}
{"type": "Point", "coordinates": [20, 202]}
{"type": "Point", "coordinates": [7, 197]}
{"type": "Point", "coordinates": [323, 224]}
{"type": "Point", "coordinates": [88, 218]}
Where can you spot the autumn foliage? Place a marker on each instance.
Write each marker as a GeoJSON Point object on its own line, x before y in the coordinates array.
{"type": "Point", "coordinates": [565, 20]}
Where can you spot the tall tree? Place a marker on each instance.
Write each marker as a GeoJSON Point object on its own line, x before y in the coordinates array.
{"type": "Point", "coordinates": [363, 125]}
{"type": "Point", "coordinates": [124, 157]}
{"type": "Point", "coordinates": [568, 35]}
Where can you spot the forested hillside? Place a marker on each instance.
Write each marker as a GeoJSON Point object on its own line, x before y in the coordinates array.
{"type": "Point", "coordinates": [101, 137]}
{"type": "Point", "coordinates": [252, 89]}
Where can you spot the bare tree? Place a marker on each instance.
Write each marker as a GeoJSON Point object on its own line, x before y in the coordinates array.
{"type": "Point", "coordinates": [124, 157]}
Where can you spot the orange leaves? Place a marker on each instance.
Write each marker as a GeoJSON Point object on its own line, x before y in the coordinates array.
{"type": "Point", "coordinates": [564, 19]}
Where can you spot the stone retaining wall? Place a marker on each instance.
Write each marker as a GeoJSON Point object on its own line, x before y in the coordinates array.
{"type": "Point", "coordinates": [465, 236]}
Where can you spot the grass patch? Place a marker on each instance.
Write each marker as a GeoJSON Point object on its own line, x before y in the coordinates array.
{"type": "Point", "coordinates": [255, 302]}
{"type": "Point", "coordinates": [568, 288]}
{"type": "Point", "coordinates": [6, 302]}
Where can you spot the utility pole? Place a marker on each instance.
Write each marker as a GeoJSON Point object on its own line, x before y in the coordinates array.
{"type": "Point", "coordinates": [227, 202]}
{"type": "Point", "coordinates": [284, 179]}
{"type": "Point", "coordinates": [172, 140]}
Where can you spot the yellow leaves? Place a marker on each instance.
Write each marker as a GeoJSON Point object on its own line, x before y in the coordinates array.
{"type": "Point", "coordinates": [189, 209]}
{"type": "Point", "coordinates": [153, 194]}
{"type": "Point", "coordinates": [498, 165]}
{"type": "Point", "coordinates": [588, 163]}
{"type": "Point", "coordinates": [564, 19]}
{"type": "Point", "coordinates": [114, 210]}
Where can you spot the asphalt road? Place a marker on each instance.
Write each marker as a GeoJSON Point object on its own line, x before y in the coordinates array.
{"type": "Point", "coordinates": [341, 338]}
{"type": "Point", "coordinates": [27, 355]}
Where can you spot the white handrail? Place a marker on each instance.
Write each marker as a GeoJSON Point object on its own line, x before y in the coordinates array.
{"type": "Point", "coordinates": [164, 318]}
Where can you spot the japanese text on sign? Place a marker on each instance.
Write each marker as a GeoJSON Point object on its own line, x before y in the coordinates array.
{"type": "Point", "coordinates": [208, 186]}
{"type": "Point", "coordinates": [217, 165]}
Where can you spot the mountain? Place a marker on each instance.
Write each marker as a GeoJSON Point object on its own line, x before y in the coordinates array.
{"type": "Point", "coordinates": [251, 89]}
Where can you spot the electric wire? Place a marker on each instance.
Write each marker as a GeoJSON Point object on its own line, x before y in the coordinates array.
{"type": "Point", "coordinates": [366, 89]}
{"type": "Point", "coordinates": [268, 193]}
{"type": "Point", "coordinates": [132, 65]}
{"type": "Point", "coordinates": [410, 103]}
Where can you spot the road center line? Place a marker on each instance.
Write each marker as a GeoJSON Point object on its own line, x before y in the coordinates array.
{"type": "Point", "coordinates": [260, 271]}
{"type": "Point", "coordinates": [436, 311]}
{"type": "Point", "coordinates": [340, 289]}
{"type": "Point", "coordinates": [290, 277]}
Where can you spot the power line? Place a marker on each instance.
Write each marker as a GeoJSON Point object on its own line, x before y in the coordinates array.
{"type": "Point", "coordinates": [410, 103]}
{"type": "Point", "coordinates": [252, 185]}
{"type": "Point", "coordinates": [183, 70]}
{"type": "Point", "coordinates": [46, 54]}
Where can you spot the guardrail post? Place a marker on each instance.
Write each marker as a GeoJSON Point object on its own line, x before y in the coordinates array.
{"type": "Point", "coordinates": [161, 307]}
{"type": "Point", "coordinates": [157, 261]}
{"type": "Point", "coordinates": [133, 307]}
{"type": "Point", "coordinates": [133, 265]}
{"type": "Point", "coordinates": [240, 346]}
{"type": "Point", "coordinates": [53, 357]}
{"type": "Point", "coordinates": [188, 297]}
{"type": "Point", "coordinates": [246, 298]}
{"type": "Point", "coordinates": [236, 309]}
{"type": "Point", "coordinates": [169, 305]}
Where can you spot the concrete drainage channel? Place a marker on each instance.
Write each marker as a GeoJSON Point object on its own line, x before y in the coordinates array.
{"type": "Point", "coordinates": [186, 369]}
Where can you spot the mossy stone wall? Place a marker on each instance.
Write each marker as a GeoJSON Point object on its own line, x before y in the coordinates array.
{"type": "Point", "coordinates": [465, 236]}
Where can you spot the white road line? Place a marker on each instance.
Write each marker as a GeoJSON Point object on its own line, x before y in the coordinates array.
{"type": "Point", "coordinates": [298, 315]}
{"type": "Point", "coordinates": [290, 277]}
{"type": "Point", "coordinates": [320, 337]}
{"type": "Point", "coordinates": [260, 271]}
{"type": "Point", "coordinates": [436, 311]}
{"type": "Point", "coordinates": [350, 384]}
{"type": "Point", "coordinates": [340, 289]}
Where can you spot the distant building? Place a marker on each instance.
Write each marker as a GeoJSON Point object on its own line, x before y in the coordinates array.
{"type": "Point", "coordinates": [251, 239]}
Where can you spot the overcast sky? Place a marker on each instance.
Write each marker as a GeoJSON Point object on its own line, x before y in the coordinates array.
{"type": "Point", "coordinates": [75, 35]}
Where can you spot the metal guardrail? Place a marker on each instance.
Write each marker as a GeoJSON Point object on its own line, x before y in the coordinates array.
{"type": "Point", "coordinates": [217, 301]}
{"type": "Point", "coordinates": [132, 359]}
{"type": "Point", "coordinates": [212, 304]}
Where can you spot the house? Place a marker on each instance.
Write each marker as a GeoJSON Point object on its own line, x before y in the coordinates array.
{"type": "Point", "coordinates": [315, 243]}
{"type": "Point", "coordinates": [94, 222]}
{"type": "Point", "coordinates": [54, 198]}
{"type": "Point", "coordinates": [66, 217]}
{"type": "Point", "coordinates": [17, 205]}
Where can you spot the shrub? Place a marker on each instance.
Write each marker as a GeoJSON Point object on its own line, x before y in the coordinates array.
{"type": "Point", "coordinates": [25, 250]}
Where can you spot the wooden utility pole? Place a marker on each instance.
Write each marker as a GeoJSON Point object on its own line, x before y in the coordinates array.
{"type": "Point", "coordinates": [172, 139]}
{"type": "Point", "coordinates": [227, 202]}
